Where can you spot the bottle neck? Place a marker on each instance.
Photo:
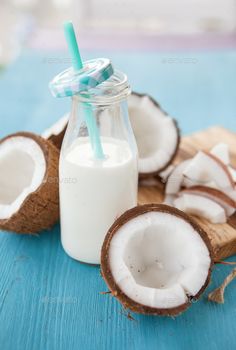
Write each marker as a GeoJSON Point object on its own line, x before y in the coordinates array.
{"type": "Point", "coordinates": [112, 91]}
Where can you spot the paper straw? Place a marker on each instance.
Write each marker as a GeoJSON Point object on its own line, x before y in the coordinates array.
{"type": "Point", "coordinates": [77, 64]}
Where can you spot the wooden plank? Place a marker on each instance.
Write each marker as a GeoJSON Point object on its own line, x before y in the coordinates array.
{"type": "Point", "coordinates": [222, 236]}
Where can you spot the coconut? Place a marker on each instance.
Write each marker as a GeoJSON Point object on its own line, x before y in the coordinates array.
{"type": "Point", "coordinates": [156, 259]}
{"type": "Point", "coordinates": [214, 194]}
{"type": "Point", "coordinates": [204, 185]}
{"type": "Point", "coordinates": [232, 173]}
{"type": "Point", "coordinates": [205, 168]}
{"type": "Point", "coordinates": [162, 177]}
{"type": "Point", "coordinates": [176, 178]}
{"type": "Point", "coordinates": [201, 206]}
{"type": "Point", "coordinates": [221, 151]}
{"type": "Point", "coordinates": [56, 132]}
{"type": "Point", "coordinates": [157, 134]}
{"type": "Point", "coordinates": [164, 174]}
{"type": "Point", "coordinates": [29, 198]}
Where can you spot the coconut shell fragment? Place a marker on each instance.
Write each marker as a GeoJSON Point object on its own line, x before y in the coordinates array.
{"type": "Point", "coordinates": [29, 196]}
{"type": "Point", "coordinates": [156, 259]}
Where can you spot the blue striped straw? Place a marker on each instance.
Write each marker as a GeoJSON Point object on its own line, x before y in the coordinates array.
{"type": "Point", "coordinates": [77, 64]}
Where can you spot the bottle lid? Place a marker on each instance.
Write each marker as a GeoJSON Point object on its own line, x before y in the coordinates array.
{"type": "Point", "coordinates": [71, 82]}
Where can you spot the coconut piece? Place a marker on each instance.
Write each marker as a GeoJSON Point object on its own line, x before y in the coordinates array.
{"type": "Point", "coordinates": [169, 199]}
{"type": "Point", "coordinates": [29, 198]}
{"type": "Point", "coordinates": [214, 194]}
{"type": "Point", "coordinates": [191, 183]}
{"type": "Point", "coordinates": [155, 259]}
{"type": "Point", "coordinates": [158, 179]}
{"type": "Point", "coordinates": [201, 206]}
{"type": "Point", "coordinates": [175, 180]}
{"type": "Point", "coordinates": [231, 193]}
{"type": "Point", "coordinates": [232, 173]}
{"type": "Point", "coordinates": [156, 133]}
{"type": "Point", "coordinates": [56, 132]}
{"type": "Point", "coordinates": [205, 167]}
{"type": "Point", "coordinates": [221, 151]}
{"type": "Point", "coordinates": [164, 174]}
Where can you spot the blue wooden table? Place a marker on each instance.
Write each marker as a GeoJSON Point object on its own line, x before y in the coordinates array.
{"type": "Point", "coordinates": [49, 301]}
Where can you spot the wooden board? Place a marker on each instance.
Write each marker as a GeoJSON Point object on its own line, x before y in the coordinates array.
{"type": "Point", "coordinates": [222, 236]}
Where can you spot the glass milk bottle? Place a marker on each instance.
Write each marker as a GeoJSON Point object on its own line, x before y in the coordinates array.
{"type": "Point", "coordinates": [95, 190]}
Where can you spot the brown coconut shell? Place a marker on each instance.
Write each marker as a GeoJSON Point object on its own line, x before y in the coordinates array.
{"type": "Point", "coordinates": [127, 302]}
{"type": "Point", "coordinates": [58, 139]}
{"type": "Point", "coordinates": [40, 209]}
{"type": "Point", "coordinates": [156, 173]}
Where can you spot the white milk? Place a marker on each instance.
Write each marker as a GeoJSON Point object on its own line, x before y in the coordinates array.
{"type": "Point", "coordinates": [93, 193]}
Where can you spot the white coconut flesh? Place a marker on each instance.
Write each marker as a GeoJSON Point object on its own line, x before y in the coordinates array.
{"type": "Point", "coordinates": [202, 207]}
{"type": "Point", "coordinates": [188, 183]}
{"type": "Point", "coordinates": [164, 174]}
{"type": "Point", "coordinates": [159, 260]}
{"type": "Point", "coordinates": [22, 170]}
{"type": "Point", "coordinates": [222, 199]}
{"type": "Point", "coordinates": [232, 173]}
{"type": "Point", "coordinates": [221, 151]}
{"type": "Point", "coordinates": [156, 133]}
{"type": "Point", "coordinates": [176, 178]}
{"type": "Point", "coordinates": [204, 185]}
{"type": "Point", "coordinates": [169, 199]}
{"type": "Point", "coordinates": [204, 168]}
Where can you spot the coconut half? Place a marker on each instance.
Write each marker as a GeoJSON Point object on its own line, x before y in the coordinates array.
{"type": "Point", "coordinates": [29, 196]}
{"type": "Point", "coordinates": [156, 133]}
{"type": "Point", "coordinates": [56, 132]}
{"type": "Point", "coordinates": [155, 259]}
